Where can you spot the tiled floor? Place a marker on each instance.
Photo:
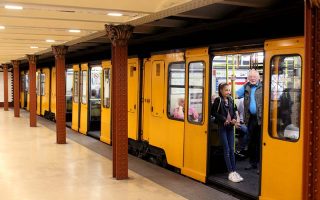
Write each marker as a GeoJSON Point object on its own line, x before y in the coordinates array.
{"type": "Point", "coordinates": [33, 166]}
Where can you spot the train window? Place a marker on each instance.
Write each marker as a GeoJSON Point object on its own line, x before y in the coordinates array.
{"type": "Point", "coordinates": [195, 91]}
{"type": "Point", "coordinates": [27, 83]}
{"type": "Point", "coordinates": [38, 83]}
{"type": "Point", "coordinates": [22, 88]}
{"type": "Point", "coordinates": [285, 97]}
{"type": "Point", "coordinates": [106, 88]}
{"type": "Point", "coordinates": [76, 87]}
{"type": "Point", "coordinates": [176, 91]}
{"type": "Point", "coordinates": [83, 84]}
{"type": "Point", "coordinates": [42, 84]}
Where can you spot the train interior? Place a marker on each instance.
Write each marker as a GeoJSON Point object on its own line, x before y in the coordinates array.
{"type": "Point", "coordinates": [69, 82]}
{"type": "Point", "coordinates": [225, 66]}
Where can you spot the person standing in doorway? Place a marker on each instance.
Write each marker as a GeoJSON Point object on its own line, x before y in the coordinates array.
{"type": "Point", "coordinates": [224, 111]}
{"type": "Point", "coordinates": [252, 94]}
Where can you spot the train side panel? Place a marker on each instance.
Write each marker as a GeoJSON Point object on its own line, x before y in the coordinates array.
{"type": "Point", "coordinates": [133, 98]}
{"type": "Point", "coordinates": [38, 75]}
{"type": "Point", "coordinates": [53, 91]}
{"type": "Point", "coordinates": [158, 129]}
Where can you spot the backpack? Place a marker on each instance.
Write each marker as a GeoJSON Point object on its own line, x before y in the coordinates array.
{"type": "Point", "coordinates": [215, 120]}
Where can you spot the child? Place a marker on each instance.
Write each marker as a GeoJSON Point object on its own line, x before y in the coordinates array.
{"type": "Point", "coordinates": [224, 111]}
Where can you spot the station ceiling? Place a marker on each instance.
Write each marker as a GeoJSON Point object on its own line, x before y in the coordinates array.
{"type": "Point", "coordinates": [35, 25]}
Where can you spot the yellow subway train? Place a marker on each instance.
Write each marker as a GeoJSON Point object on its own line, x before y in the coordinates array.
{"type": "Point", "coordinates": [187, 142]}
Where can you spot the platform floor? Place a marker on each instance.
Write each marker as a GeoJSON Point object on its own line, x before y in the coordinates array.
{"type": "Point", "coordinates": [33, 166]}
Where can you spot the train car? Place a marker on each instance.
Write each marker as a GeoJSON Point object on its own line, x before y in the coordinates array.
{"type": "Point", "coordinates": [169, 120]}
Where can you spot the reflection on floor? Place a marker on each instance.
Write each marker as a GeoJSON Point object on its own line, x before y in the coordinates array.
{"type": "Point", "coordinates": [68, 124]}
{"type": "Point", "coordinates": [250, 185]}
{"type": "Point", "coordinates": [94, 134]}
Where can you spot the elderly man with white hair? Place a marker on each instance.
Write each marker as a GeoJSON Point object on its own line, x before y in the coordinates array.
{"type": "Point", "coordinates": [252, 94]}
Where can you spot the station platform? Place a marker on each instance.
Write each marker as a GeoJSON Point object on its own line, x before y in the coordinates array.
{"type": "Point", "coordinates": [33, 166]}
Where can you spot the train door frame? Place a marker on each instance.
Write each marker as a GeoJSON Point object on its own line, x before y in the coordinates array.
{"type": "Point", "coordinates": [237, 63]}
{"type": "Point", "coordinates": [96, 133]}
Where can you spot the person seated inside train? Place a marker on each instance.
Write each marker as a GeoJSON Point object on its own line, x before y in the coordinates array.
{"type": "Point", "coordinates": [178, 112]}
{"type": "Point", "coordinates": [193, 115]}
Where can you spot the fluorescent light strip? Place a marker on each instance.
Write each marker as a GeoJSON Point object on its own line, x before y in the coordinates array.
{"type": "Point", "coordinates": [74, 31]}
{"type": "Point", "coordinates": [114, 14]}
{"type": "Point", "coordinates": [49, 40]}
{"type": "Point", "coordinates": [2, 27]}
{"type": "Point", "coordinates": [34, 47]}
{"type": "Point", "coordinates": [12, 7]}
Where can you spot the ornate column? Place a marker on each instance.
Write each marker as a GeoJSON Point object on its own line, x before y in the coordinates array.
{"type": "Point", "coordinates": [16, 88]}
{"type": "Point", "coordinates": [32, 90]}
{"type": "Point", "coordinates": [5, 84]}
{"type": "Point", "coordinates": [59, 54]}
{"type": "Point", "coordinates": [311, 181]}
{"type": "Point", "coordinates": [119, 36]}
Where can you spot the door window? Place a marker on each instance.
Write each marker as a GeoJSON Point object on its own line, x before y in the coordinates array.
{"type": "Point", "coordinates": [176, 91]}
{"type": "Point", "coordinates": [285, 97]}
{"type": "Point", "coordinates": [195, 92]}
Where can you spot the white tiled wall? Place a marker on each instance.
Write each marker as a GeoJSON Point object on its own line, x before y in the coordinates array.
{"type": "Point", "coordinates": [9, 87]}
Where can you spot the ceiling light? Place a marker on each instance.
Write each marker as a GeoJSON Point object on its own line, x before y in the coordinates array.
{"type": "Point", "coordinates": [34, 47]}
{"type": "Point", "coordinates": [114, 14]}
{"type": "Point", "coordinates": [12, 7]}
{"type": "Point", "coordinates": [74, 31]}
{"type": "Point", "coordinates": [2, 27]}
{"type": "Point", "coordinates": [50, 40]}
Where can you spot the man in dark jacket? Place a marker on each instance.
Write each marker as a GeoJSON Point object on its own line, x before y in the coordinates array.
{"type": "Point", "coordinates": [252, 94]}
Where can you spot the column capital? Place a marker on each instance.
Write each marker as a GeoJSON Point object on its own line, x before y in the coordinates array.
{"type": "Point", "coordinates": [119, 35]}
{"type": "Point", "coordinates": [32, 58]}
{"type": "Point", "coordinates": [5, 66]}
{"type": "Point", "coordinates": [15, 63]}
{"type": "Point", "coordinates": [315, 3]}
{"type": "Point", "coordinates": [59, 51]}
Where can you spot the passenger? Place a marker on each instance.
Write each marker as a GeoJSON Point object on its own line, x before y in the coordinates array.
{"type": "Point", "coordinates": [193, 114]}
{"type": "Point", "coordinates": [252, 115]}
{"type": "Point", "coordinates": [224, 111]}
{"type": "Point", "coordinates": [241, 128]}
{"type": "Point", "coordinates": [285, 106]}
{"type": "Point", "coordinates": [178, 112]}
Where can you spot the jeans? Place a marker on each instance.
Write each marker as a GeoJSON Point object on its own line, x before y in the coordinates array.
{"type": "Point", "coordinates": [254, 130]}
{"type": "Point", "coordinates": [226, 134]}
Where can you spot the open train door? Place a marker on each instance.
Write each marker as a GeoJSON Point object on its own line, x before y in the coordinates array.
{"type": "Point", "coordinates": [195, 138]}
{"type": "Point", "coordinates": [283, 131]}
{"type": "Point", "coordinates": [75, 98]}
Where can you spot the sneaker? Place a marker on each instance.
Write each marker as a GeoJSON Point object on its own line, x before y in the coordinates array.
{"type": "Point", "coordinates": [238, 175]}
{"type": "Point", "coordinates": [233, 177]}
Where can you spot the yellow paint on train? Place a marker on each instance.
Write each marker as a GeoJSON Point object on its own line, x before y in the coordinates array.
{"type": "Point", "coordinates": [75, 98]}
{"type": "Point", "coordinates": [282, 168]}
{"type": "Point", "coordinates": [84, 81]}
{"type": "Point", "coordinates": [53, 91]}
{"type": "Point", "coordinates": [105, 135]}
{"type": "Point", "coordinates": [45, 90]}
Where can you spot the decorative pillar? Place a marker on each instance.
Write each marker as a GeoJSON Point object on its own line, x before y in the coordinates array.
{"type": "Point", "coordinates": [311, 180]}
{"type": "Point", "coordinates": [59, 54]}
{"type": "Point", "coordinates": [16, 88]}
{"type": "Point", "coordinates": [32, 90]}
{"type": "Point", "coordinates": [5, 84]}
{"type": "Point", "coordinates": [119, 36]}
